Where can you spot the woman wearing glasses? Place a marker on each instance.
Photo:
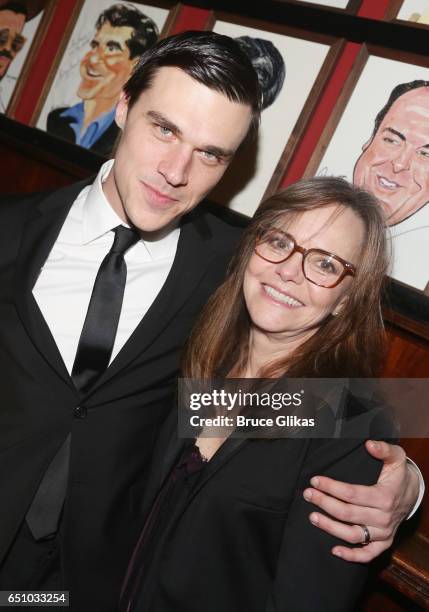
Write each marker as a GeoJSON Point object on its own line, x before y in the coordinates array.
{"type": "Point", "coordinates": [227, 527]}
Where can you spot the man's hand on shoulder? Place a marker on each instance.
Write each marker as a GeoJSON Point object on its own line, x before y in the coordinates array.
{"type": "Point", "coordinates": [380, 507]}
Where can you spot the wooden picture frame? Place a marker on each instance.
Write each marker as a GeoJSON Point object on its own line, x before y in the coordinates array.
{"type": "Point", "coordinates": [36, 24]}
{"type": "Point", "coordinates": [344, 6]}
{"type": "Point", "coordinates": [60, 91]}
{"type": "Point", "coordinates": [341, 150]}
{"type": "Point", "coordinates": [257, 169]}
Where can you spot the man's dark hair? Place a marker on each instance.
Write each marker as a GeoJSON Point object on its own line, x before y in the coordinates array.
{"type": "Point", "coordinates": [212, 59]}
{"type": "Point", "coordinates": [15, 7]}
{"type": "Point", "coordinates": [145, 32]}
{"type": "Point", "coordinates": [269, 65]}
{"type": "Point", "coordinates": [396, 93]}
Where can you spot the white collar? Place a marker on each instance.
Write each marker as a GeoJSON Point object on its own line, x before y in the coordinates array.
{"type": "Point", "coordinates": [98, 215]}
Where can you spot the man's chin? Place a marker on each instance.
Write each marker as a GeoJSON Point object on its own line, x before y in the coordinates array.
{"type": "Point", "coordinates": [156, 221]}
{"type": "Point", "coordinates": [397, 210]}
{"type": "Point", "coordinates": [154, 226]}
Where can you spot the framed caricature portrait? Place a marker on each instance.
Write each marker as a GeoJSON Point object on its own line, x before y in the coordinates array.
{"type": "Point", "coordinates": [105, 42]}
{"type": "Point", "coordinates": [413, 11]}
{"type": "Point", "coordinates": [21, 27]}
{"type": "Point", "coordinates": [378, 137]}
{"type": "Point", "coordinates": [290, 93]}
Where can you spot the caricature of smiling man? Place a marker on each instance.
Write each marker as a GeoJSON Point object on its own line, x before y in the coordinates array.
{"type": "Point", "coordinates": [394, 164]}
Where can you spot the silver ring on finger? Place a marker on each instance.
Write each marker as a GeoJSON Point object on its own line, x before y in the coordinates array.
{"type": "Point", "coordinates": [366, 535]}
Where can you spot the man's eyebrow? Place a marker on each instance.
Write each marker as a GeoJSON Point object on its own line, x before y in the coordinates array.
{"type": "Point", "coordinates": [218, 151]}
{"type": "Point", "coordinates": [159, 118]}
{"type": "Point", "coordinates": [114, 43]}
{"type": "Point", "coordinates": [393, 131]}
{"type": "Point", "coordinates": [402, 137]}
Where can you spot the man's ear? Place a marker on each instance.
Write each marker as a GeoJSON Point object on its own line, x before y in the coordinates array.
{"type": "Point", "coordinates": [121, 111]}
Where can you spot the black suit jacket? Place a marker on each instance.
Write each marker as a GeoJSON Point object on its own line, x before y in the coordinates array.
{"type": "Point", "coordinates": [243, 540]}
{"type": "Point", "coordinates": [61, 127]}
{"type": "Point", "coordinates": [114, 430]}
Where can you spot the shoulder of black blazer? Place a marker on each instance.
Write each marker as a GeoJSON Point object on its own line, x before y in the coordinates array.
{"type": "Point", "coordinates": [18, 209]}
{"type": "Point", "coordinates": [214, 222]}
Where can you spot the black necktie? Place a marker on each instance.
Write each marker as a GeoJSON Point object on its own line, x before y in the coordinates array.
{"type": "Point", "coordinates": [102, 318]}
{"type": "Point", "coordinates": [92, 358]}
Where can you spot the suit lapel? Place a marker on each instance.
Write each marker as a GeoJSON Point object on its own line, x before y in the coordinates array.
{"type": "Point", "coordinates": [174, 447]}
{"type": "Point", "coordinates": [229, 448]}
{"type": "Point", "coordinates": [192, 257]}
{"type": "Point", "coordinates": [39, 234]}
{"type": "Point", "coordinates": [168, 450]}
{"type": "Point", "coordinates": [227, 451]}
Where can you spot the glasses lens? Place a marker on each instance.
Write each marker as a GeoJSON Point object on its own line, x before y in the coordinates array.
{"type": "Point", "coordinates": [275, 246]}
{"type": "Point", "coordinates": [322, 269]}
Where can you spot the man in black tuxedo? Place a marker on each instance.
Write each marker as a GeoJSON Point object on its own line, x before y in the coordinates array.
{"type": "Point", "coordinates": [89, 353]}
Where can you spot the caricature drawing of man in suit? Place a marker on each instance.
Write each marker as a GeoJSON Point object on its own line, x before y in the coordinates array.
{"type": "Point", "coordinates": [122, 34]}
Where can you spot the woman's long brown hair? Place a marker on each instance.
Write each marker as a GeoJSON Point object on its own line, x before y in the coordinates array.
{"type": "Point", "coordinates": [349, 345]}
